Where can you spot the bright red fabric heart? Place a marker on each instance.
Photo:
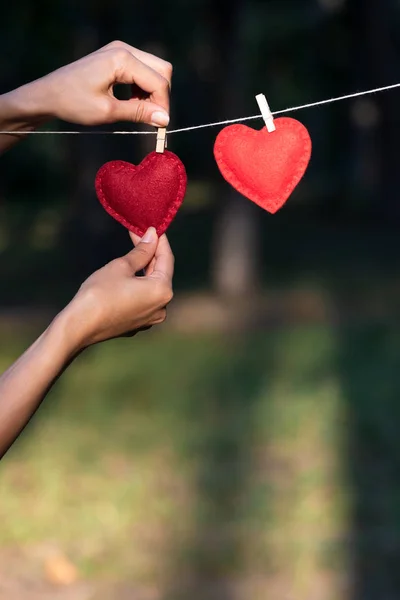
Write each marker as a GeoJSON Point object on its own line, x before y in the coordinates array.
{"type": "Point", "coordinates": [143, 196]}
{"type": "Point", "coordinates": [264, 167]}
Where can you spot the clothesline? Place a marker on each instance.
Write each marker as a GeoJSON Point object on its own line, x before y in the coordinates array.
{"type": "Point", "coordinates": [205, 125]}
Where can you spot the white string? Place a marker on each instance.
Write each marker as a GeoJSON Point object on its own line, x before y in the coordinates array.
{"type": "Point", "coordinates": [217, 123]}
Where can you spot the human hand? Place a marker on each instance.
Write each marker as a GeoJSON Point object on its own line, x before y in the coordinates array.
{"type": "Point", "coordinates": [114, 302]}
{"type": "Point", "coordinates": [111, 303]}
{"type": "Point", "coordinates": [82, 92]}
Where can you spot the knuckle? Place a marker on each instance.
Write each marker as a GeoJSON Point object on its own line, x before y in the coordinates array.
{"type": "Point", "coordinates": [161, 317]}
{"type": "Point", "coordinates": [140, 112]}
{"type": "Point", "coordinates": [107, 109]}
{"type": "Point", "coordinates": [166, 294]}
{"type": "Point", "coordinates": [121, 263]}
{"type": "Point", "coordinates": [115, 44]}
{"type": "Point", "coordinates": [116, 263]}
{"type": "Point", "coordinates": [164, 83]}
{"type": "Point", "coordinates": [120, 55]}
{"type": "Point", "coordinates": [167, 69]}
{"type": "Point", "coordinates": [141, 251]}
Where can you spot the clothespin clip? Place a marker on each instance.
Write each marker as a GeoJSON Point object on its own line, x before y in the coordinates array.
{"type": "Point", "coordinates": [266, 112]}
{"type": "Point", "coordinates": [161, 139]}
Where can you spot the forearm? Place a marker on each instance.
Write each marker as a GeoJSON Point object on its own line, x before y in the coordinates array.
{"type": "Point", "coordinates": [23, 109]}
{"type": "Point", "coordinates": [25, 384]}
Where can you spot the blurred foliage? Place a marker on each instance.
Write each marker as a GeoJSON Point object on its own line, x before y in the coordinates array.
{"type": "Point", "coordinates": [223, 53]}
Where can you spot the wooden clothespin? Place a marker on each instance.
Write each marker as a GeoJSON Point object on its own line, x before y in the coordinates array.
{"type": "Point", "coordinates": [266, 112]}
{"type": "Point", "coordinates": [161, 139]}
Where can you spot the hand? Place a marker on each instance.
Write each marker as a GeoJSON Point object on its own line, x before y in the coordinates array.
{"type": "Point", "coordinates": [82, 92]}
{"type": "Point", "coordinates": [114, 302]}
{"type": "Point", "coordinates": [111, 303]}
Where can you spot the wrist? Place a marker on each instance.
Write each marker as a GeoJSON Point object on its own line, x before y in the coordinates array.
{"type": "Point", "coordinates": [25, 108]}
{"type": "Point", "coordinates": [65, 335]}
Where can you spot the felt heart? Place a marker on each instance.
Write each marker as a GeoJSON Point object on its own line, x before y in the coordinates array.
{"type": "Point", "coordinates": [265, 167]}
{"type": "Point", "coordinates": [143, 196]}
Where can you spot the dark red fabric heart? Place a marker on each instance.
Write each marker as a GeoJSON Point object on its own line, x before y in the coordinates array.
{"type": "Point", "coordinates": [143, 196]}
{"type": "Point", "coordinates": [264, 167]}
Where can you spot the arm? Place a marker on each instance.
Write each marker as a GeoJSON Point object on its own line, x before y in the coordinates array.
{"type": "Point", "coordinates": [25, 384]}
{"type": "Point", "coordinates": [113, 302]}
{"type": "Point", "coordinates": [82, 92]}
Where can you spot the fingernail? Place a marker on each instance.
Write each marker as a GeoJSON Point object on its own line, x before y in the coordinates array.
{"type": "Point", "coordinates": [159, 119]}
{"type": "Point", "coordinates": [149, 235]}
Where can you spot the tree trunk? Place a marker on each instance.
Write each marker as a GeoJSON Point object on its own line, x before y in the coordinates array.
{"type": "Point", "coordinates": [235, 253]}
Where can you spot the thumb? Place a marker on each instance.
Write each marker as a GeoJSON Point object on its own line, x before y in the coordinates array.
{"type": "Point", "coordinates": [141, 256]}
{"type": "Point", "coordinates": [140, 111]}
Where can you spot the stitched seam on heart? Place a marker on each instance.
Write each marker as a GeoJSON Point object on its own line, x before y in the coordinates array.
{"type": "Point", "coordinates": [175, 203]}
{"type": "Point", "coordinates": [180, 195]}
{"type": "Point", "coordinates": [172, 208]}
{"type": "Point", "coordinates": [247, 191]}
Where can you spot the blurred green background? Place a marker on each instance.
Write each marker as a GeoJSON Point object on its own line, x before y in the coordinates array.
{"type": "Point", "coordinates": [249, 448]}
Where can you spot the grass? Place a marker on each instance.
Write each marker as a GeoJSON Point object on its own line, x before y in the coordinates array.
{"type": "Point", "coordinates": [176, 457]}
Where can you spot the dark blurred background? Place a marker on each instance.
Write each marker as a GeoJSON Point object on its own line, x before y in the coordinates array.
{"type": "Point", "coordinates": [249, 448]}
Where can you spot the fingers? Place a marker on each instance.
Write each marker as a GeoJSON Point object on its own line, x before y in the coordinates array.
{"type": "Point", "coordinates": [160, 317]}
{"type": "Point", "coordinates": [131, 70]}
{"type": "Point", "coordinates": [136, 239]}
{"type": "Point", "coordinates": [82, 92]}
{"type": "Point", "coordinates": [139, 111]}
{"type": "Point", "coordinates": [162, 265]}
{"type": "Point", "coordinates": [160, 65]}
{"type": "Point", "coordinates": [144, 252]}
{"type": "Point", "coordinates": [163, 261]}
